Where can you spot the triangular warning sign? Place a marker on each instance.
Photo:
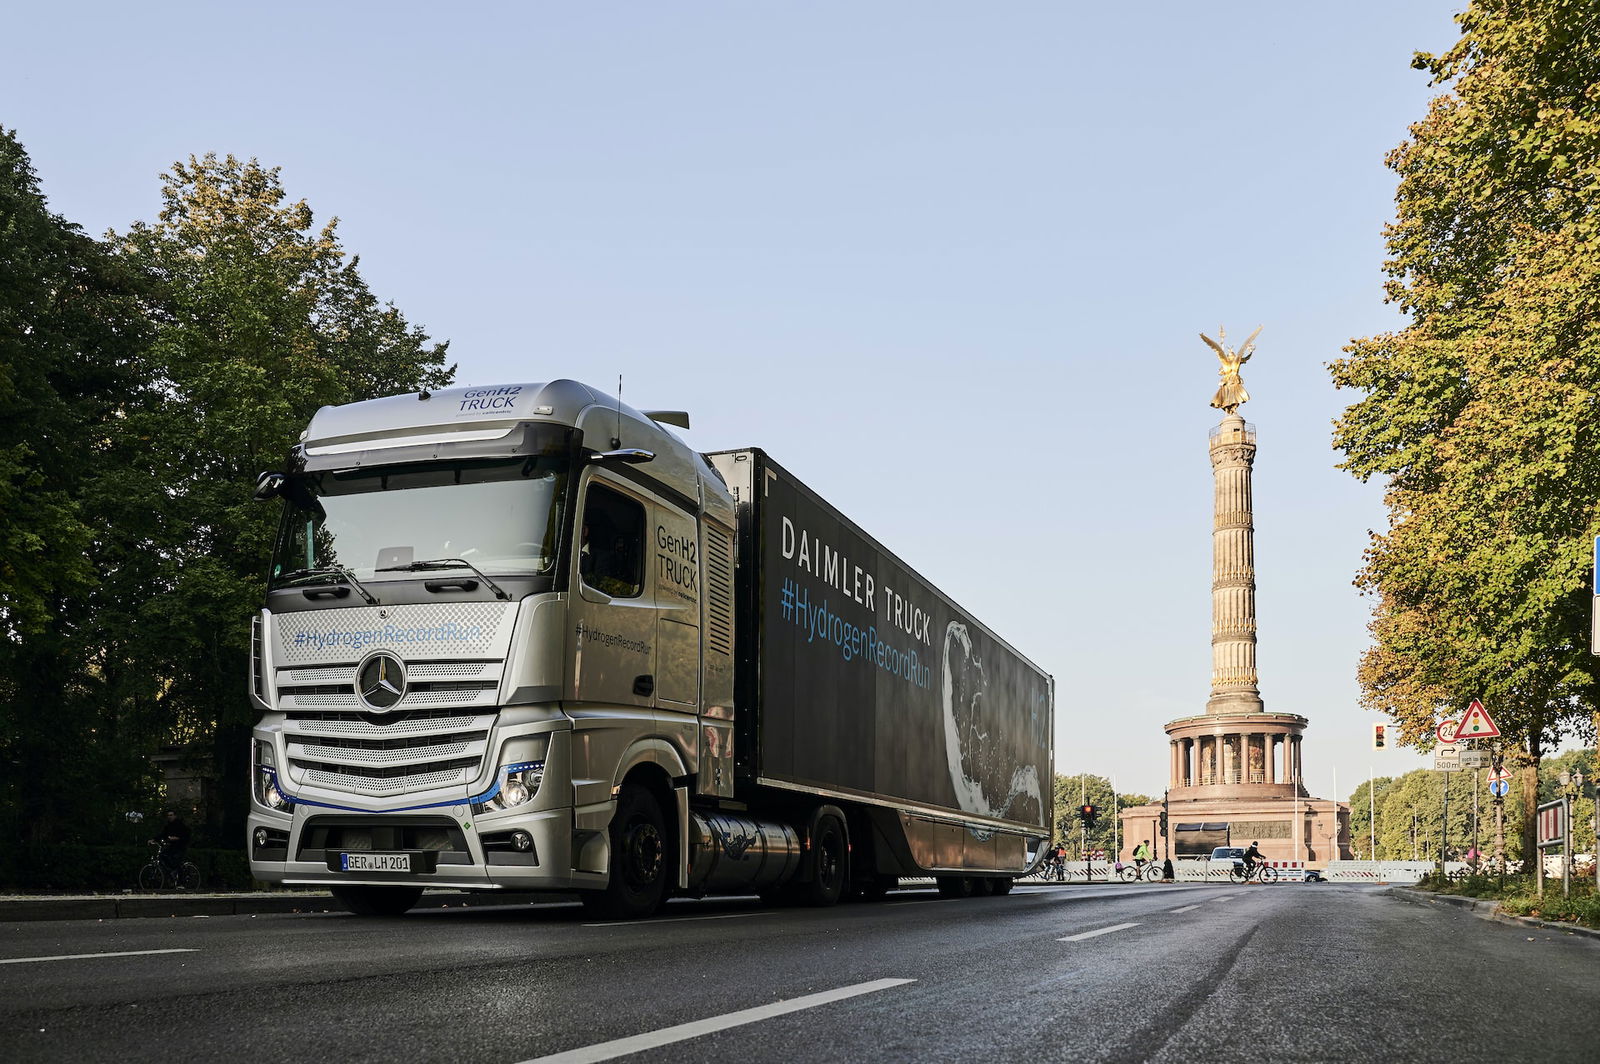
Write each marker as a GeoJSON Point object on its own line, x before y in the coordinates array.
{"type": "Point", "coordinates": [1476, 724]}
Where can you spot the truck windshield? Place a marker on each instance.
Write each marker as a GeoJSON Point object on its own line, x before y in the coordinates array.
{"type": "Point", "coordinates": [502, 516]}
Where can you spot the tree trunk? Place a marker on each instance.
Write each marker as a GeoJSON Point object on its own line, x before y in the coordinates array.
{"type": "Point", "coordinates": [1530, 800]}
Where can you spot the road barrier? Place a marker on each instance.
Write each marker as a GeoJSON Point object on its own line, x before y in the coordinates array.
{"type": "Point", "coordinates": [1383, 871]}
{"type": "Point", "coordinates": [1202, 870]}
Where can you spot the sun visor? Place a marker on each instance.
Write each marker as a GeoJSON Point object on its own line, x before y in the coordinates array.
{"type": "Point", "coordinates": [419, 436]}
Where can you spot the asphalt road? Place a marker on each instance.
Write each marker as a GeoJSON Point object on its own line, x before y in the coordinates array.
{"type": "Point", "coordinates": [1180, 973]}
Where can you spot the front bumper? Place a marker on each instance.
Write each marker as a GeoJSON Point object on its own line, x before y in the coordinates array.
{"type": "Point", "coordinates": [449, 848]}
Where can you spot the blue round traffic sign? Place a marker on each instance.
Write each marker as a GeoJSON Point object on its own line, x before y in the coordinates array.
{"type": "Point", "coordinates": [1499, 788]}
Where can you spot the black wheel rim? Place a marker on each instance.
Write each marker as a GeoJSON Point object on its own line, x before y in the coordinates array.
{"type": "Point", "coordinates": [644, 853]}
{"type": "Point", "coordinates": [828, 862]}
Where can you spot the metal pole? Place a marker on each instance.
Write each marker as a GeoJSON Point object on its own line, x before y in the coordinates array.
{"type": "Point", "coordinates": [1566, 846]}
{"type": "Point", "coordinates": [1477, 785]}
{"type": "Point", "coordinates": [1083, 828]}
{"type": "Point", "coordinates": [1166, 832]}
{"type": "Point", "coordinates": [1116, 823]}
{"type": "Point", "coordinates": [1500, 820]}
{"type": "Point", "coordinates": [1444, 823]}
{"type": "Point", "coordinates": [1372, 817]}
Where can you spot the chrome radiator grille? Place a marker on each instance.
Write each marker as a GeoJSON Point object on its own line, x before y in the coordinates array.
{"type": "Point", "coordinates": [436, 736]}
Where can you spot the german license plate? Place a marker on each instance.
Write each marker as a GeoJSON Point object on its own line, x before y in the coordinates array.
{"type": "Point", "coordinates": [375, 862]}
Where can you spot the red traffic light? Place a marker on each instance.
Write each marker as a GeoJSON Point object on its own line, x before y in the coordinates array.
{"type": "Point", "coordinates": [1088, 813]}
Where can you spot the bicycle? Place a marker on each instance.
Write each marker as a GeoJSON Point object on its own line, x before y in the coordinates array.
{"type": "Point", "coordinates": [155, 875]}
{"type": "Point", "coordinates": [1260, 873]}
{"type": "Point", "coordinates": [1133, 873]}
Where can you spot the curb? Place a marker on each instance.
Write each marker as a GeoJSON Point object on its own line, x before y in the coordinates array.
{"type": "Point", "coordinates": [132, 907]}
{"type": "Point", "coordinates": [1488, 910]}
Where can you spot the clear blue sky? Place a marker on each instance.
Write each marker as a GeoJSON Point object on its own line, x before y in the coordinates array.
{"type": "Point", "coordinates": [945, 261]}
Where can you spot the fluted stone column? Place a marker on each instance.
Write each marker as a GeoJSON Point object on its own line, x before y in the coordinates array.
{"type": "Point", "coordinates": [1233, 571]}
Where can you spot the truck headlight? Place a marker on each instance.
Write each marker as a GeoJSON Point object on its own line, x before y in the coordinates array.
{"type": "Point", "coordinates": [267, 792]}
{"type": "Point", "coordinates": [266, 780]}
{"type": "Point", "coordinates": [518, 784]}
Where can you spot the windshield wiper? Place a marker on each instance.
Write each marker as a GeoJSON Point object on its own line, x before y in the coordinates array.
{"type": "Point", "coordinates": [445, 563]}
{"type": "Point", "coordinates": [333, 570]}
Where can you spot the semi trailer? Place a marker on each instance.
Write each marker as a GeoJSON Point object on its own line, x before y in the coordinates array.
{"type": "Point", "coordinates": [524, 638]}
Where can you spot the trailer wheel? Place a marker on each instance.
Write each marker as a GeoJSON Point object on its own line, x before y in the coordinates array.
{"type": "Point", "coordinates": [828, 863]}
{"type": "Point", "coordinates": [956, 886]}
{"type": "Point", "coordinates": [1001, 885]}
{"type": "Point", "coordinates": [638, 883]}
{"type": "Point", "coordinates": [377, 901]}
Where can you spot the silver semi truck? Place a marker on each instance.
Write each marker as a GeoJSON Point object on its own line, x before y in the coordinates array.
{"type": "Point", "coordinates": [524, 638]}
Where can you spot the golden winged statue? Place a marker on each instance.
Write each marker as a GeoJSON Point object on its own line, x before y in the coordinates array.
{"type": "Point", "coordinates": [1231, 395]}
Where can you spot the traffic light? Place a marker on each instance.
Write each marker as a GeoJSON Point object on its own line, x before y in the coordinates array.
{"type": "Point", "coordinates": [1380, 736]}
{"type": "Point", "coordinates": [1087, 813]}
{"type": "Point", "coordinates": [1163, 821]}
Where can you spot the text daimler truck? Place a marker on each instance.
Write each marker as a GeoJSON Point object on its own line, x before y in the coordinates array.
{"type": "Point", "coordinates": [524, 638]}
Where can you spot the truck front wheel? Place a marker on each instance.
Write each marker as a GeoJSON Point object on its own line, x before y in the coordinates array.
{"type": "Point", "coordinates": [377, 901]}
{"type": "Point", "coordinates": [638, 859]}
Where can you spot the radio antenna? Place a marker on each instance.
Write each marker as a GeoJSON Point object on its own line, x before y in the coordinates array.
{"type": "Point", "coordinates": [616, 441]}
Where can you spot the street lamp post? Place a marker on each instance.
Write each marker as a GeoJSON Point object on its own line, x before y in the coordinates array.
{"type": "Point", "coordinates": [1571, 787]}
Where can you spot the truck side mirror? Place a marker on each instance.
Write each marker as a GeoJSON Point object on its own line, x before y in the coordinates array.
{"type": "Point", "coordinates": [630, 455]}
{"type": "Point", "coordinates": [269, 486]}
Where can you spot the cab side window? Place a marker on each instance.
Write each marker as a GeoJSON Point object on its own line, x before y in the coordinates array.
{"type": "Point", "coordinates": [611, 543]}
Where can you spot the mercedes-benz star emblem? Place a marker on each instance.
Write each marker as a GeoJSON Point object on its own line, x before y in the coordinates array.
{"type": "Point", "coordinates": [381, 681]}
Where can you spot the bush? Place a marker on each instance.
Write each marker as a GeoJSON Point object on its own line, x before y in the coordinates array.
{"type": "Point", "coordinates": [1583, 907]}
{"type": "Point", "coordinates": [1520, 896]}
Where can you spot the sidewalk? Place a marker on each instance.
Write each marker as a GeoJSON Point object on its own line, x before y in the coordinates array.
{"type": "Point", "coordinates": [19, 907]}
{"type": "Point", "coordinates": [1487, 910]}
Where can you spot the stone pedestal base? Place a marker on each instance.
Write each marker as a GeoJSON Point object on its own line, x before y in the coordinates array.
{"type": "Point", "coordinates": [1314, 830]}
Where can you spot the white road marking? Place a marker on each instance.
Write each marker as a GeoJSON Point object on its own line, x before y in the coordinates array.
{"type": "Point", "coordinates": [672, 920]}
{"type": "Point", "coordinates": [667, 1035]}
{"type": "Point", "coordinates": [1096, 933]}
{"type": "Point", "coordinates": [1186, 908]}
{"type": "Point", "coordinates": [92, 956]}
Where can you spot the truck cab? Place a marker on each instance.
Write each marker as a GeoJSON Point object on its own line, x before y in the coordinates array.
{"type": "Point", "coordinates": [492, 613]}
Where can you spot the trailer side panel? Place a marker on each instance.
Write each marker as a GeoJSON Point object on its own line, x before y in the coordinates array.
{"type": "Point", "coordinates": [867, 680]}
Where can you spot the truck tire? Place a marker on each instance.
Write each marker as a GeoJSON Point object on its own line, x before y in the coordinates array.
{"type": "Point", "coordinates": [956, 886]}
{"type": "Point", "coordinates": [1001, 885]}
{"type": "Point", "coordinates": [638, 883]}
{"type": "Point", "coordinates": [377, 901]}
{"type": "Point", "coordinates": [827, 863]}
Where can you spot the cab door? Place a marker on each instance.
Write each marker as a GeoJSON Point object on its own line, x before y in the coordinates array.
{"type": "Point", "coordinates": [611, 640]}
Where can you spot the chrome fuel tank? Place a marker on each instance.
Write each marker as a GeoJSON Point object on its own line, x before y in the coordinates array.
{"type": "Point", "coordinates": [733, 853]}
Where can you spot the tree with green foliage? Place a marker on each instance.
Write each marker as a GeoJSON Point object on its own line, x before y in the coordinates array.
{"type": "Point", "coordinates": [1410, 810]}
{"type": "Point", "coordinates": [258, 319]}
{"type": "Point", "coordinates": [1481, 414]}
{"type": "Point", "coordinates": [71, 328]}
{"type": "Point", "coordinates": [1072, 792]}
{"type": "Point", "coordinates": [1410, 814]}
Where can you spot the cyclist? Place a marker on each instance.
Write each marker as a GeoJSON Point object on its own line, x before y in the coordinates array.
{"type": "Point", "coordinates": [1252, 857]}
{"type": "Point", "coordinates": [1141, 856]}
{"type": "Point", "coordinates": [174, 844]}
